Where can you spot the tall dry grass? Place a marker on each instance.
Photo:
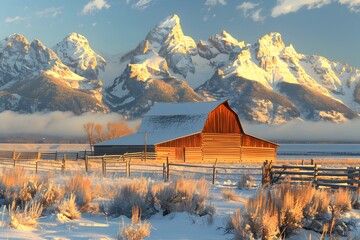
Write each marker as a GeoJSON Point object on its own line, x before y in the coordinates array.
{"type": "Point", "coordinates": [27, 217]}
{"type": "Point", "coordinates": [68, 209]}
{"type": "Point", "coordinates": [278, 211]}
{"type": "Point", "coordinates": [80, 186]}
{"type": "Point", "coordinates": [137, 230]}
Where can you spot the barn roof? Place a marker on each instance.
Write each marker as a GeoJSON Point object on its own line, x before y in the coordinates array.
{"type": "Point", "coordinates": [167, 121]}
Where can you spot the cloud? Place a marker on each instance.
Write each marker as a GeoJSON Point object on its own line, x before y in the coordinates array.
{"type": "Point", "coordinates": [13, 19]}
{"type": "Point", "coordinates": [246, 7]}
{"type": "Point", "coordinates": [94, 24]}
{"type": "Point", "coordinates": [49, 12]}
{"type": "Point", "coordinates": [353, 5]}
{"type": "Point", "coordinates": [56, 124]}
{"type": "Point", "coordinates": [250, 9]}
{"type": "Point", "coordinates": [284, 7]}
{"type": "Point", "coordinates": [215, 2]}
{"type": "Point", "coordinates": [141, 4]}
{"type": "Point", "coordinates": [95, 5]}
{"type": "Point", "coordinates": [256, 16]}
{"type": "Point", "coordinates": [306, 131]}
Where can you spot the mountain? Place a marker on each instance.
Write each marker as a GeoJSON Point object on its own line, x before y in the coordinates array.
{"type": "Point", "coordinates": [76, 53]}
{"type": "Point", "coordinates": [33, 78]}
{"type": "Point", "coordinates": [266, 82]}
{"type": "Point", "coordinates": [150, 68]}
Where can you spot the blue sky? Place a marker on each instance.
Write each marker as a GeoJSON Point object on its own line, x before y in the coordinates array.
{"type": "Point", "coordinates": [330, 28]}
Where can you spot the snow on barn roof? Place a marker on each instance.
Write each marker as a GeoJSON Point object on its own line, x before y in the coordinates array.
{"type": "Point", "coordinates": [167, 121]}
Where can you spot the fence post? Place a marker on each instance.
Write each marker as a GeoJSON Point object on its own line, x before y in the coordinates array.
{"type": "Point", "coordinates": [164, 171]}
{"type": "Point", "coordinates": [14, 155]}
{"type": "Point", "coordinates": [38, 155]}
{"type": "Point", "coordinates": [350, 171]}
{"type": "Point", "coordinates": [128, 168]}
{"type": "Point", "coordinates": [63, 164]}
{"type": "Point", "coordinates": [103, 166]}
{"type": "Point", "coordinates": [77, 156]}
{"type": "Point", "coordinates": [86, 163]}
{"type": "Point", "coordinates": [214, 173]}
{"type": "Point", "coordinates": [36, 167]}
{"type": "Point", "coordinates": [316, 172]}
{"type": "Point", "coordinates": [302, 162]}
{"type": "Point", "coordinates": [167, 170]}
{"type": "Point", "coordinates": [56, 154]}
{"type": "Point", "coordinates": [267, 176]}
{"type": "Point", "coordinates": [312, 162]}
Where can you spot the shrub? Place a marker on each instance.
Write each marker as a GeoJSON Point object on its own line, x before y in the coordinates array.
{"type": "Point", "coordinates": [50, 194]}
{"type": "Point", "coordinates": [27, 217]}
{"type": "Point", "coordinates": [137, 230]}
{"type": "Point", "coordinates": [81, 188]}
{"type": "Point", "coordinates": [68, 209]}
{"type": "Point", "coordinates": [134, 193]}
{"type": "Point", "coordinates": [229, 195]}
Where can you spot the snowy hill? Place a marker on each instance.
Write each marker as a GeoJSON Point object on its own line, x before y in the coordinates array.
{"type": "Point", "coordinates": [31, 71]}
{"type": "Point", "coordinates": [267, 81]}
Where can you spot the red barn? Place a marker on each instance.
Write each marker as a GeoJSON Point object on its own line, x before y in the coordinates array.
{"type": "Point", "coordinates": [192, 131]}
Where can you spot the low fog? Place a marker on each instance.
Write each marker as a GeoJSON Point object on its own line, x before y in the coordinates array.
{"type": "Point", "coordinates": [55, 124]}
{"type": "Point", "coordinates": [68, 125]}
{"type": "Point", "coordinates": [307, 131]}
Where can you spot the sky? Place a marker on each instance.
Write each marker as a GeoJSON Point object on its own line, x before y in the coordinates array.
{"type": "Point", "coordinates": [330, 28]}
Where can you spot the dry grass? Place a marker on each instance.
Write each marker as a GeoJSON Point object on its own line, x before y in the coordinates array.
{"type": "Point", "coordinates": [230, 195]}
{"type": "Point", "coordinates": [80, 186]}
{"type": "Point", "coordinates": [137, 230]}
{"type": "Point", "coordinates": [50, 194]}
{"type": "Point", "coordinates": [27, 217]}
{"type": "Point", "coordinates": [10, 179]}
{"type": "Point", "coordinates": [68, 209]}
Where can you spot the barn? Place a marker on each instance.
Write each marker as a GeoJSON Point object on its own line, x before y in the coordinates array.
{"type": "Point", "coordinates": [192, 131]}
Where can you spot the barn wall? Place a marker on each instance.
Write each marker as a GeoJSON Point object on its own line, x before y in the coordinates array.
{"type": "Point", "coordinates": [117, 150]}
{"type": "Point", "coordinates": [222, 120]}
{"type": "Point", "coordinates": [164, 152]}
{"type": "Point", "coordinates": [256, 154]}
{"type": "Point", "coordinates": [221, 146]}
{"type": "Point", "coordinates": [250, 141]}
{"type": "Point", "coordinates": [189, 141]}
{"type": "Point", "coordinates": [193, 154]}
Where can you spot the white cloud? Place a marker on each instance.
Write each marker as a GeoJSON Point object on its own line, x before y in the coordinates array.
{"type": "Point", "coordinates": [94, 5]}
{"type": "Point", "coordinates": [256, 16]}
{"type": "Point", "coordinates": [215, 2]}
{"type": "Point", "coordinates": [284, 7]}
{"type": "Point", "coordinates": [94, 24]}
{"type": "Point", "coordinates": [353, 5]}
{"type": "Point", "coordinates": [50, 12]}
{"type": "Point", "coordinates": [13, 19]}
{"type": "Point", "coordinates": [141, 4]}
{"type": "Point", "coordinates": [246, 7]}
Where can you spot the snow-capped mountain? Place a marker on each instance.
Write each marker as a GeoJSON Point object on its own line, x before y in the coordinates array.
{"type": "Point", "coordinates": [31, 71]}
{"type": "Point", "coordinates": [267, 81]}
{"type": "Point", "coordinates": [76, 53]}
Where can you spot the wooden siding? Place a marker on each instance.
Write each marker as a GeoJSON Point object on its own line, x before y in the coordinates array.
{"type": "Point", "coordinates": [250, 141]}
{"type": "Point", "coordinates": [222, 120]}
{"type": "Point", "coordinates": [193, 154]}
{"type": "Point", "coordinates": [221, 146]}
{"type": "Point", "coordinates": [188, 141]}
{"type": "Point", "coordinates": [256, 154]}
{"type": "Point", "coordinates": [164, 152]}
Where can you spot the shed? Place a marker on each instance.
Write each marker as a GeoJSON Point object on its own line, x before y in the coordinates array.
{"type": "Point", "coordinates": [192, 131]}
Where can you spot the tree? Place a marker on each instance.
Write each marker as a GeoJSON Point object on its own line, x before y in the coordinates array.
{"type": "Point", "coordinates": [89, 129]}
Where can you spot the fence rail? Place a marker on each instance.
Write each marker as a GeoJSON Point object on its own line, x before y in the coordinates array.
{"type": "Point", "coordinates": [130, 164]}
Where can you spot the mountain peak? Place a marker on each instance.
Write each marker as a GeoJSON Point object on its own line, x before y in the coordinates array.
{"type": "Point", "coordinates": [77, 38]}
{"type": "Point", "coordinates": [169, 21]}
{"type": "Point", "coordinates": [273, 38]}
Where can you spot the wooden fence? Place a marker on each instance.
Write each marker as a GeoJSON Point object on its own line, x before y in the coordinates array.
{"type": "Point", "coordinates": [131, 164]}
{"type": "Point", "coordinates": [317, 175]}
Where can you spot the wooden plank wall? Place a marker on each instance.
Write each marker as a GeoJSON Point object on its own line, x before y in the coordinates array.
{"type": "Point", "coordinates": [163, 152]}
{"type": "Point", "coordinates": [222, 120]}
{"type": "Point", "coordinates": [255, 154]}
{"type": "Point", "coordinates": [193, 154]}
{"type": "Point", "coordinates": [188, 141]}
{"type": "Point", "coordinates": [224, 147]}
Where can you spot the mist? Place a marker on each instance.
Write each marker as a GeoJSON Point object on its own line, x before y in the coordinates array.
{"type": "Point", "coordinates": [307, 131]}
{"type": "Point", "coordinates": [54, 124]}
{"type": "Point", "coordinates": [69, 125]}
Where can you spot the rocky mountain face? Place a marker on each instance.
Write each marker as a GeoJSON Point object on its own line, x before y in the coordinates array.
{"type": "Point", "coordinates": [34, 78]}
{"type": "Point", "coordinates": [265, 82]}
